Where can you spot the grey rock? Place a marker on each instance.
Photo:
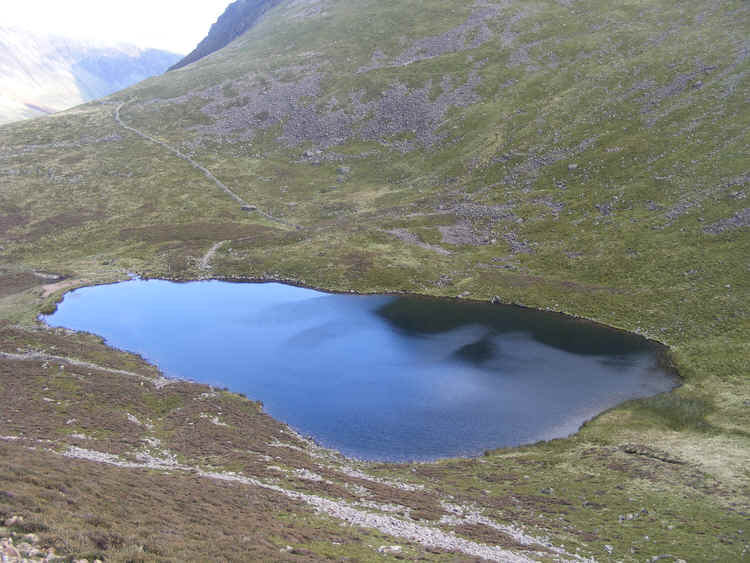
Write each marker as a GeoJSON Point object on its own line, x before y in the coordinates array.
{"type": "Point", "coordinates": [737, 221]}
{"type": "Point", "coordinates": [31, 538]}
{"type": "Point", "coordinates": [13, 520]}
{"type": "Point", "coordinates": [471, 34]}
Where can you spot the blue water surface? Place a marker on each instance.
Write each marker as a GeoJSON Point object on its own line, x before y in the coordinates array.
{"type": "Point", "coordinates": [377, 377]}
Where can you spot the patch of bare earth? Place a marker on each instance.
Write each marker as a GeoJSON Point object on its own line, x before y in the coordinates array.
{"type": "Point", "coordinates": [51, 288]}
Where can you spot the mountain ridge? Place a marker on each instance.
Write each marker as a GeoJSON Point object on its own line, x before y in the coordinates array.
{"type": "Point", "coordinates": [239, 17]}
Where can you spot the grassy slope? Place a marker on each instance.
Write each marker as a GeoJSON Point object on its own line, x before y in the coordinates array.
{"type": "Point", "coordinates": [599, 145]}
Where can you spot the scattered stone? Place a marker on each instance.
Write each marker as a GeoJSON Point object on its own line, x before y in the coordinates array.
{"type": "Point", "coordinates": [463, 233]}
{"type": "Point", "coordinates": [609, 549]}
{"type": "Point", "coordinates": [572, 167]}
{"type": "Point", "coordinates": [470, 34]}
{"type": "Point", "coordinates": [307, 475]}
{"type": "Point", "coordinates": [390, 549]}
{"type": "Point", "coordinates": [400, 110]}
{"type": "Point", "coordinates": [547, 491]}
{"type": "Point", "coordinates": [492, 212]}
{"type": "Point", "coordinates": [444, 281]}
{"type": "Point", "coordinates": [13, 520]}
{"type": "Point", "coordinates": [653, 453]}
{"type": "Point", "coordinates": [214, 419]}
{"type": "Point", "coordinates": [518, 246]}
{"type": "Point", "coordinates": [410, 238]}
{"type": "Point", "coordinates": [739, 220]}
{"type": "Point", "coordinates": [8, 552]}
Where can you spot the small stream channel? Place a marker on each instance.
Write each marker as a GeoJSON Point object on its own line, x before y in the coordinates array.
{"type": "Point", "coordinates": [378, 377]}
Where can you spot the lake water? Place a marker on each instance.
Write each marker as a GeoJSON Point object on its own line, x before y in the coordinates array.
{"type": "Point", "coordinates": [377, 377]}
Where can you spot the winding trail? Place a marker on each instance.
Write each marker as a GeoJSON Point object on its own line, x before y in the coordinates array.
{"type": "Point", "coordinates": [205, 262]}
{"type": "Point", "coordinates": [425, 535]}
{"type": "Point", "coordinates": [159, 382]}
{"type": "Point", "coordinates": [197, 165]}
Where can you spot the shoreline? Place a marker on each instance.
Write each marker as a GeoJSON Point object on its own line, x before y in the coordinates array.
{"type": "Point", "coordinates": [663, 356]}
{"type": "Point", "coordinates": [494, 300]}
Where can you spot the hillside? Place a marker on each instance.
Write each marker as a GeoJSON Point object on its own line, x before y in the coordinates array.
{"type": "Point", "coordinates": [574, 156]}
{"type": "Point", "coordinates": [43, 74]}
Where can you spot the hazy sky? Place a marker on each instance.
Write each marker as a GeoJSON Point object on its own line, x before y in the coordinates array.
{"type": "Point", "coordinates": [174, 25]}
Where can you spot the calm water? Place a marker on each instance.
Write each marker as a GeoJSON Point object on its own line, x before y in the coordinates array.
{"type": "Point", "coordinates": [377, 377]}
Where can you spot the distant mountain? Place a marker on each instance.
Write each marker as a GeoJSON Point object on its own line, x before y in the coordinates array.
{"type": "Point", "coordinates": [43, 73]}
{"type": "Point", "coordinates": [239, 17]}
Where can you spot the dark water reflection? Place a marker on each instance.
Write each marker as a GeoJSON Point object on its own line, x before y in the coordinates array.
{"type": "Point", "coordinates": [377, 377]}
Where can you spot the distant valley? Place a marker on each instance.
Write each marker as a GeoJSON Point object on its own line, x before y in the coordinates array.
{"type": "Point", "coordinates": [43, 74]}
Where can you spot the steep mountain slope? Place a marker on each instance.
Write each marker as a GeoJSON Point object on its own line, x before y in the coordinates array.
{"type": "Point", "coordinates": [238, 18]}
{"type": "Point", "coordinates": [577, 156]}
{"type": "Point", "coordinates": [43, 74]}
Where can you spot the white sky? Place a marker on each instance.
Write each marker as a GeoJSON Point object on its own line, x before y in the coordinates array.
{"type": "Point", "coordinates": [174, 25]}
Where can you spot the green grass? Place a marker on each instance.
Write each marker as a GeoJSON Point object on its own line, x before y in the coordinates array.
{"type": "Point", "coordinates": [646, 101]}
{"type": "Point", "coordinates": [677, 412]}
